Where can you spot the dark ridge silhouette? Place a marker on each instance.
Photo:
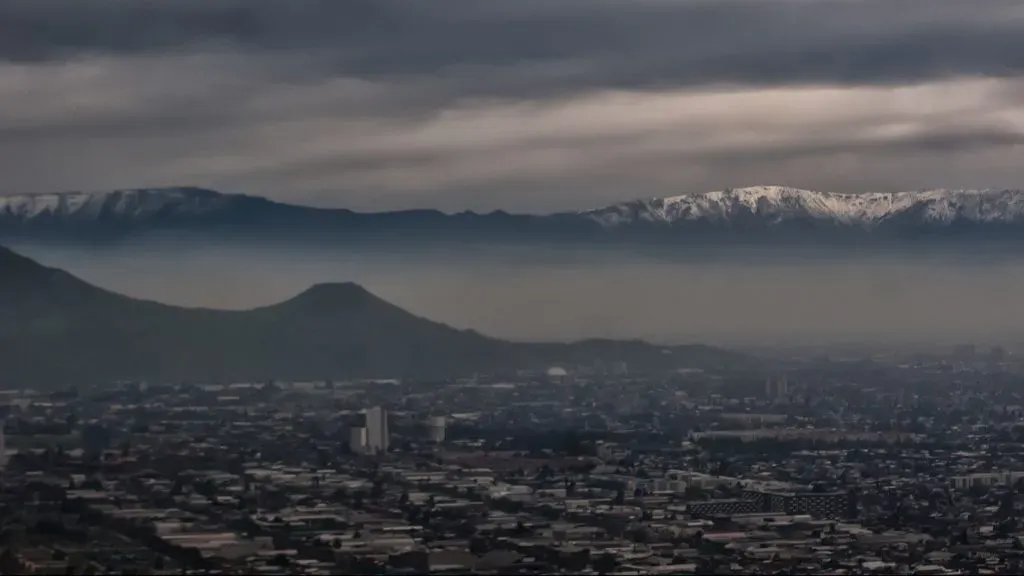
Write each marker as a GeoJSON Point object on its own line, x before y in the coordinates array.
{"type": "Point", "coordinates": [15, 267]}
{"type": "Point", "coordinates": [742, 217]}
{"type": "Point", "coordinates": [57, 330]}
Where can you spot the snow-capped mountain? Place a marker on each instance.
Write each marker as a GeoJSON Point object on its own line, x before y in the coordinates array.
{"type": "Point", "coordinates": [740, 214]}
{"type": "Point", "coordinates": [775, 205]}
{"type": "Point", "coordinates": [141, 203]}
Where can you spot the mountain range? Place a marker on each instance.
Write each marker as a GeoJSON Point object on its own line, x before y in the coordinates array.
{"type": "Point", "coordinates": [738, 215]}
{"type": "Point", "coordinates": [56, 329]}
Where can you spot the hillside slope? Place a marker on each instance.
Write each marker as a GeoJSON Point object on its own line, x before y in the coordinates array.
{"type": "Point", "coordinates": [57, 329]}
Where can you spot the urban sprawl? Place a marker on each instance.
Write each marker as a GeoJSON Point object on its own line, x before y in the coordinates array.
{"type": "Point", "coordinates": [881, 465]}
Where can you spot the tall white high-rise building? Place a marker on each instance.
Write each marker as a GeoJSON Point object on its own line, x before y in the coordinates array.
{"type": "Point", "coordinates": [357, 440]}
{"type": "Point", "coordinates": [377, 436]}
{"type": "Point", "coordinates": [437, 425]}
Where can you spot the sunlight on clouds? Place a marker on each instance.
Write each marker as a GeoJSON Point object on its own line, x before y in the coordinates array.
{"type": "Point", "coordinates": [217, 119]}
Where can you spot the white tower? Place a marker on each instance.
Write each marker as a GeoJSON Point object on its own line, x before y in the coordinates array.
{"type": "Point", "coordinates": [437, 426]}
{"type": "Point", "coordinates": [357, 439]}
{"type": "Point", "coordinates": [377, 436]}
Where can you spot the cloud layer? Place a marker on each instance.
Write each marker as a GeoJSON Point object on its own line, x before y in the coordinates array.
{"type": "Point", "coordinates": [526, 105]}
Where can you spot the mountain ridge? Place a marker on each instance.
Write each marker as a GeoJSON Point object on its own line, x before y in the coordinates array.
{"type": "Point", "coordinates": [736, 213]}
{"type": "Point", "coordinates": [869, 208]}
{"type": "Point", "coordinates": [56, 329]}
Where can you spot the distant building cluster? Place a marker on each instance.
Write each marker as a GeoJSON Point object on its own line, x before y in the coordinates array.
{"type": "Point", "coordinates": [373, 437]}
{"type": "Point", "coordinates": [893, 466]}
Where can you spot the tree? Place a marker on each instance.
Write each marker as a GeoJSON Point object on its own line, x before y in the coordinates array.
{"type": "Point", "coordinates": [545, 472]}
{"type": "Point", "coordinates": [694, 493]}
{"type": "Point", "coordinates": [465, 530]}
{"type": "Point", "coordinates": [9, 562]}
{"type": "Point", "coordinates": [605, 563]}
{"type": "Point", "coordinates": [413, 515]}
{"type": "Point", "coordinates": [207, 488]}
{"type": "Point", "coordinates": [279, 560]}
{"type": "Point", "coordinates": [377, 490]}
{"type": "Point", "coordinates": [478, 546]}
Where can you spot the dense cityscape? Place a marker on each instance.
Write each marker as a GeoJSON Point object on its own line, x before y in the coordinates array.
{"type": "Point", "coordinates": [874, 465]}
{"type": "Point", "coordinates": [528, 287]}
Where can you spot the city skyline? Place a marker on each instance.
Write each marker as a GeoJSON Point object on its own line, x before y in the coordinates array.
{"type": "Point", "coordinates": [511, 288]}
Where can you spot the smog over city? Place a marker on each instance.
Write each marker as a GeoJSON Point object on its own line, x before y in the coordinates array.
{"type": "Point", "coordinates": [317, 287]}
{"type": "Point", "coordinates": [741, 296]}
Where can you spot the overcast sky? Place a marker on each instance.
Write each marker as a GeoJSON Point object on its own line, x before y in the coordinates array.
{"type": "Point", "coordinates": [517, 104]}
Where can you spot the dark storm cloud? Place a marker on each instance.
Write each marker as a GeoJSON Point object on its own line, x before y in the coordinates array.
{"type": "Point", "coordinates": [521, 104]}
{"type": "Point", "coordinates": [505, 47]}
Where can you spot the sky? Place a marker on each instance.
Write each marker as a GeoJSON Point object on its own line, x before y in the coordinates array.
{"type": "Point", "coordinates": [524, 105]}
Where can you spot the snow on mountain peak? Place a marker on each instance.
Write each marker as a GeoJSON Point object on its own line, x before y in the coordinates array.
{"type": "Point", "coordinates": [758, 205]}
{"type": "Point", "coordinates": [132, 203]}
{"type": "Point", "coordinates": [777, 204]}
